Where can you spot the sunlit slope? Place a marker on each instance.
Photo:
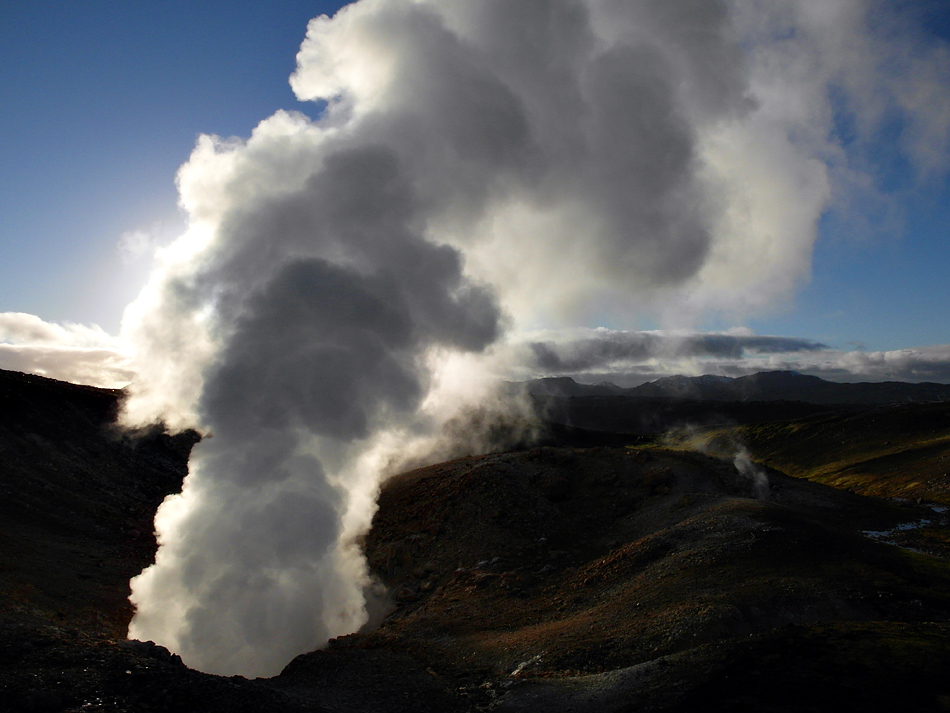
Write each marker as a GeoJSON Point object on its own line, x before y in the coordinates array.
{"type": "Point", "coordinates": [621, 579]}
{"type": "Point", "coordinates": [604, 558]}
{"type": "Point", "coordinates": [889, 451]}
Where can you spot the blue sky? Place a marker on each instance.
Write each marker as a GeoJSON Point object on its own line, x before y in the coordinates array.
{"type": "Point", "coordinates": [103, 100]}
{"type": "Point", "coordinates": [877, 289]}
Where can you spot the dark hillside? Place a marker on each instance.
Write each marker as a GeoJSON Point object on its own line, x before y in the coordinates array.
{"type": "Point", "coordinates": [892, 451]}
{"type": "Point", "coordinates": [628, 579]}
{"type": "Point", "coordinates": [77, 500]}
{"type": "Point", "coordinates": [570, 578]}
{"type": "Point", "coordinates": [791, 386]}
{"type": "Point", "coordinates": [650, 416]}
{"type": "Point", "coordinates": [763, 386]}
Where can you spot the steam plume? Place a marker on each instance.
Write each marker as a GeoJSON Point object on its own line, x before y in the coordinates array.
{"type": "Point", "coordinates": [478, 165]}
{"type": "Point", "coordinates": [747, 467]}
{"type": "Point", "coordinates": [694, 438]}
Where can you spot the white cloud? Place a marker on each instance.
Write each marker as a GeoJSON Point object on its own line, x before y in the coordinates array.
{"type": "Point", "coordinates": [931, 363]}
{"type": "Point", "coordinates": [69, 352]}
{"type": "Point", "coordinates": [632, 358]}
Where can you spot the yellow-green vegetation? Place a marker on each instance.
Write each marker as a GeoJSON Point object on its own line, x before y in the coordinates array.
{"type": "Point", "coordinates": [890, 451]}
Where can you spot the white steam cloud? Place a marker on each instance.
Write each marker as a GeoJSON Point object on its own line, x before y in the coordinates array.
{"type": "Point", "coordinates": [746, 466]}
{"type": "Point", "coordinates": [479, 166]}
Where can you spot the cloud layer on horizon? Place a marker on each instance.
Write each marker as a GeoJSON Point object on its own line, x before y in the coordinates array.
{"type": "Point", "coordinates": [630, 358]}
{"type": "Point", "coordinates": [69, 352]}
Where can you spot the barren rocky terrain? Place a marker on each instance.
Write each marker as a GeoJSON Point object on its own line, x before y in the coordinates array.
{"type": "Point", "coordinates": [639, 574]}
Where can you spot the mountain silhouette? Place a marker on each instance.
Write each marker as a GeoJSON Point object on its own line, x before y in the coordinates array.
{"type": "Point", "coordinates": [763, 386]}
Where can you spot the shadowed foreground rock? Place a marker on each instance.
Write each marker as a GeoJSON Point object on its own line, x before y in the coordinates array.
{"type": "Point", "coordinates": [551, 579]}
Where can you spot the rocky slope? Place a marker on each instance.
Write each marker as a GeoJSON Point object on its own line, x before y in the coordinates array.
{"type": "Point", "coordinates": [77, 500]}
{"type": "Point", "coordinates": [629, 579]}
{"type": "Point", "coordinates": [893, 451]}
{"type": "Point", "coordinates": [562, 578]}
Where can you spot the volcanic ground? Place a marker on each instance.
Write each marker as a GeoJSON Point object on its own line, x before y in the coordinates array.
{"type": "Point", "coordinates": [644, 575]}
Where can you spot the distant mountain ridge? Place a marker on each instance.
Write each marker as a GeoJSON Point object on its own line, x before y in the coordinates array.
{"type": "Point", "coordinates": [763, 386]}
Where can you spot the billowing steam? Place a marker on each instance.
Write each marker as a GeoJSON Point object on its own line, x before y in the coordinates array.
{"type": "Point", "coordinates": [319, 306]}
{"type": "Point", "coordinates": [478, 166]}
{"type": "Point", "coordinates": [747, 467]}
{"type": "Point", "coordinates": [695, 438]}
